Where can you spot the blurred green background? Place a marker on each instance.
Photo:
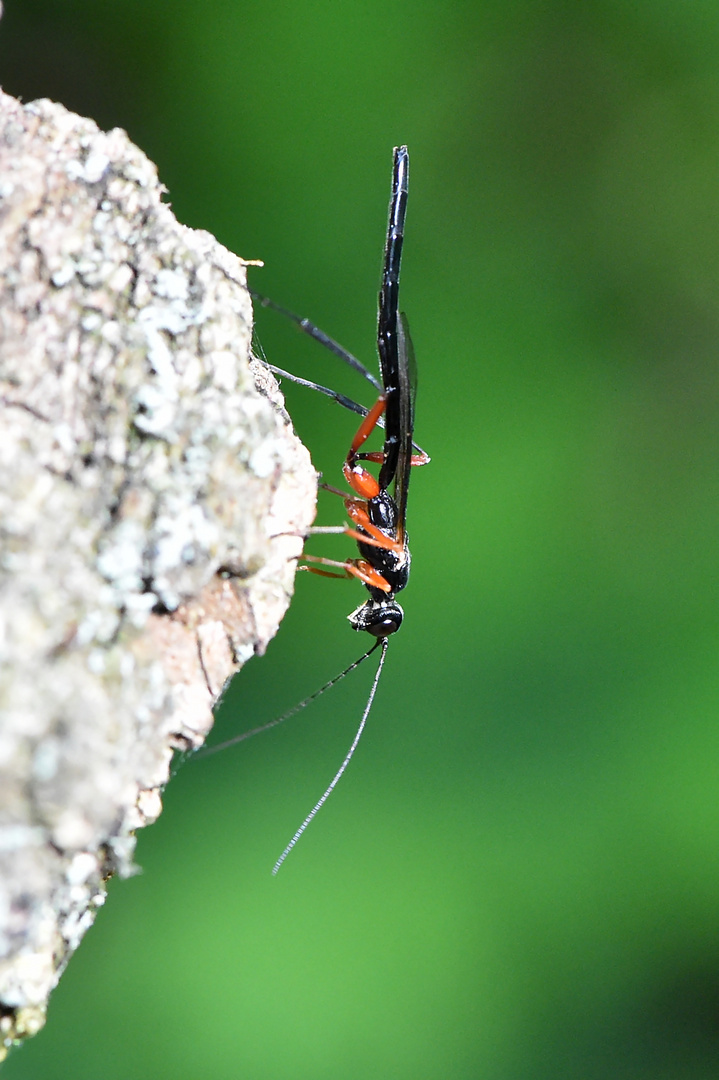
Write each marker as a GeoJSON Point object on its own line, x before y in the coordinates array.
{"type": "Point", "coordinates": [518, 878]}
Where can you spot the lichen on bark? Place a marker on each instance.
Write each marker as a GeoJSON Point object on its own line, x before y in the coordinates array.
{"type": "Point", "coordinates": [152, 502]}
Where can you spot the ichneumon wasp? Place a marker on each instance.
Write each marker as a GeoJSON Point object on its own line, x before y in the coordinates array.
{"type": "Point", "coordinates": [378, 518]}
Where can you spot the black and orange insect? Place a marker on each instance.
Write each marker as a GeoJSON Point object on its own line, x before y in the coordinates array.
{"type": "Point", "coordinates": [377, 505]}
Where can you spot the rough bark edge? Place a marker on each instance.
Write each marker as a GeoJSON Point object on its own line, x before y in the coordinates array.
{"type": "Point", "coordinates": [152, 502]}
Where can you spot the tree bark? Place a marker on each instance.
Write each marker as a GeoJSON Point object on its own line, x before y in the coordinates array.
{"type": "Point", "coordinates": [152, 502]}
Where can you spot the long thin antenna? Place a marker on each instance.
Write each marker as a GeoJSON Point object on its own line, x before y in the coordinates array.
{"type": "Point", "coordinates": [320, 803]}
{"type": "Point", "coordinates": [206, 751]}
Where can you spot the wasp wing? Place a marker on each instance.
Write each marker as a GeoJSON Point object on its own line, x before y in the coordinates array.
{"type": "Point", "coordinates": [407, 392]}
{"type": "Point", "coordinates": [388, 322]}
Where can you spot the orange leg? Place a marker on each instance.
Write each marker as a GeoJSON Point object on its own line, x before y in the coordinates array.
{"type": "Point", "coordinates": [368, 425]}
{"type": "Point", "coordinates": [385, 543]}
{"type": "Point", "coordinates": [358, 512]}
{"type": "Point", "coordinates": [358, 568]}
{"type": "Point", "coordinates": [377, 458]}
{"type": "Point", "coordinates": [359, 479]}
{"type": "Point", "coordinates": [364, 484]}
{"type": "Point", "coordinates": [362, 481]}
{"type": "Point", "coordinates": [345, 530]}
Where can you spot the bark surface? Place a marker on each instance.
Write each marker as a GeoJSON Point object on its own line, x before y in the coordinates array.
{"type": "Point", "coordinates": [152, 497]}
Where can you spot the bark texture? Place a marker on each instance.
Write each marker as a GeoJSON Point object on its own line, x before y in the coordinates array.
{"type": "Point", "coordinates": [152, 497]}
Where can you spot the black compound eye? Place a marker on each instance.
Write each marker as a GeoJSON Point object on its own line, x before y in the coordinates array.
{"type": "Point", "coordinates": [384, 620]}
{"type": "Point", "coordinates": [377, 617]}
{"type": "Point", "coordinates": [384, 628]}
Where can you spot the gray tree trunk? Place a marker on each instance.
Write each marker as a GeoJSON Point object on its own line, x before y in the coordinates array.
{"type": "Point", "coordinates": [152, 502]}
